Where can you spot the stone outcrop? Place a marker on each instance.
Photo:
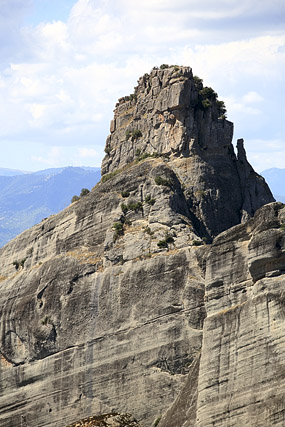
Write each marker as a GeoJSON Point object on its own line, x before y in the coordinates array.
{"type": "Point", "coordinates": [241, 378]}
{"type": "Point", "coordinates": [171, 114]}
{"type": "Point", "coordinates": [118, 305]}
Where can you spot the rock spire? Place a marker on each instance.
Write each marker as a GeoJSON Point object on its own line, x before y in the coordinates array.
{"type": "Point", "coordinates": [172, 115]}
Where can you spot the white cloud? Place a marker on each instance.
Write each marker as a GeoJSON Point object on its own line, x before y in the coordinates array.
{"type": "Point", "coordinates": [252, 97]}
{"type": "Point", "coordinates": [87, 153]}
{"type": "Point", "coordinates": [61, 86]}
{"type": "Point", "coordinates": [52, 158]}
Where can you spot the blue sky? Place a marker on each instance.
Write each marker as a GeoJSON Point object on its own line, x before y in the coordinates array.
{"type": "Point", "coordinates": [64, 64]}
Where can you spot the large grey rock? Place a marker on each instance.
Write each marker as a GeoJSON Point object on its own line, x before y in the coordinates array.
{"type": "Point", "coordinates": [102, 306]}
{"type": "Point", "coordinates": [95, 324]}
{"type": "Point", "coordinates": [220, 188]}
{"type": "Point", "coordinates": [242, 370]}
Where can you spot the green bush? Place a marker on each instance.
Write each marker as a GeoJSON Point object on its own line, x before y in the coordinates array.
{"type": "Point", "coordinates": [110, 175]}
{"type": "Point", "coordinates": [206, 104]}
{"type": "Point", "coordinates": [135, 206]}
{"type": "Point", "coordinates": [165, 242]}
{"type": "Point", "coordinates": [75, 199]}
{"type": "Point", "coordinates": [16, 264]}
{"type": "Point", "coordinates": [84, 192]}
{"type": "Point", "coordinates": [107, 150]}
{"type": "Point", "coordinates": [164, 66]}
{"type": "Point", "coordinates": [133, 96]}
{"type": "Point", "coordinates": [125, 194]}
{"type": "Point", "coordinates": [128, 134]}
{"type": "Point", "coordinates": [208, 93]}
{"type": "Point", "coordinates": [136, 134]}
{"type": "Point", "coordinates": [169, 239]}
{"type": "Point", "coordinates": [198, 82]}
{"type": "Point", "coordinates": [197, 243]}
{"type": "Point", "coordinates": [124, 208]}
{"type": "Point", "coordinates": [148, 199]}
{"type": "Point", "coordinates": [119, 230]}
{"type": "Point", "coordinates": [159, 180]}
{"type": "Point", "coordinates": [162, 244]}
{"type": "Point", "coordinates": [221, 108]}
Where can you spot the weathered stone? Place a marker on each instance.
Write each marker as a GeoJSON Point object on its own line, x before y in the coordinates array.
{"type": "Point", "coordinates": [220, 188]}
{"type": "Point", "coordinates": [102, 306]}
{"type": "Point", "coordinates": [242, 370]}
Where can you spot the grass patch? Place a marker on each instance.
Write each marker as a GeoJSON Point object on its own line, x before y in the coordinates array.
{"type": "Point", "coordinates": [159, 180]}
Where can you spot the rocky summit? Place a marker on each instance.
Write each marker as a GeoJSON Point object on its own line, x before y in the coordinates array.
{"type": "Point", "coordinates": [161, 292]}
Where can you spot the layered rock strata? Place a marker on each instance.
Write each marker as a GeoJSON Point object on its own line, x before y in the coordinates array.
{"type": "Point", "coordinates": [103, 305]}
{"type": "Point", "coordinates": [241, 378]}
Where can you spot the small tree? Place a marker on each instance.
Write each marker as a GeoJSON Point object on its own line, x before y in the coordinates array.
{"type": "Point", "coordinates": [75, 199]}
{"type": "Point", "coordinates": [84, 191]}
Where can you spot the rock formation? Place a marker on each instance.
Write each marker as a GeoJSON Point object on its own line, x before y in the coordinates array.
{"type": "Point", "coordinates": [118, 305]}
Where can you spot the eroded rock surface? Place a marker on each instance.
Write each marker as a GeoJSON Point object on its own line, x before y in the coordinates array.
{"type": "Point", "coordinates": [103, 305]}
{"type": "Point", "coordinates": [171, 114]}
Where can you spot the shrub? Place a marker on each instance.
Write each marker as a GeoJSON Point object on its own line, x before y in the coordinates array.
{"type": "Point", "coordinates": [125, 193]}
{"type": "Point", "coordinates": [133, 96]}
{"type": "Point", "coordinates": [84, 192]}
{"type": "Point", "coordinates": [128, 134]}
{"type": "Point", "coordinates": [124, 208]}
{"type": "Point", "coordinates": [136, 134]}
{"type": "Point", "coordinates": [206, 104]}
{"type": "Point", "coordinates": [159, 180]}
{"type": "Point", "coordinates": [163, 66]}
{"type": "Point", "coordinates": [165, 242]}
{"type": "Point", "coordinates": [119, 230]}
{"type": "Point", "coordinates": [208, 92]}
{"type": "Point", "coordinates": [148, 199]}
{"type": "Point", "coordinates": [107, 150]}
{"type": "Point", "coordinates": [162, 244]}
{"type": "Point", "coordinates": [169, 239]}
{"type": "Point", "coordinates": [22, 262]}
{"type": "Point", "coordinates": [134, 206]}
{"type": "Point", "coordinates": [118, 226]}
{"type": "Point", "coordinates": [110, 175]}
{"type": "Point", "coordinates": [16, 264]}
{"type": "Point", "coordinates": [198, 82]}
{"type": "Point", "coordinates": [221, 107]}
{"type": "Point", "coordinates": [75, 199]}
{"type": "Point", "coordinates": [197, 243]}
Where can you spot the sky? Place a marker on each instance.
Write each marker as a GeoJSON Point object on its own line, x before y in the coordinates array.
{"type": "Point", "coordinates": [64, 64]}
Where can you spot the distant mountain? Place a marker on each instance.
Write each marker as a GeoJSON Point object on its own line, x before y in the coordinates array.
{"type": "Point", "coordinates": [11, 172]}
{"type": "Point", "coordinates": [275, 178]}
{"type": "Point", "coordinates": [27, 198]}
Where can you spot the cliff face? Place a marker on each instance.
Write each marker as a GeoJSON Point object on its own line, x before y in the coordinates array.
{"type": "Point", "coordinates": [116, 305]}
{"type": "Point", "coordinates": [171, 114]}
{"type": "Point", "coordinates": [241, 379]}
